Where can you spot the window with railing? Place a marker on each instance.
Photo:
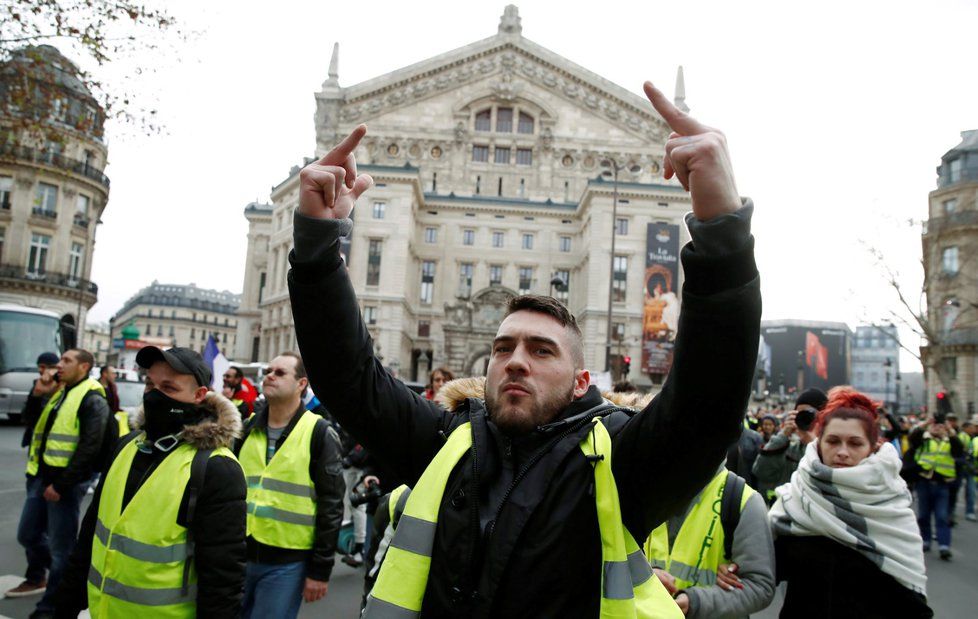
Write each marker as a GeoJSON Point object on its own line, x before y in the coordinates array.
{"type": "Point", "coordinates": [75, 260]}
{"type": "Point", "coordinates": [619, 279]}
{"type": "Point", "coordinates": [526, 280]}
{"type": "Point", "coordinates": [949, 260]}
{"type": "Point", "coordinates": [37, 258]}
{"type": "Point", "coordinates": [373, 262]}
{"type": "Point", "coordinates": [495, 274]}
{"type": "Point", "coordinates": [6, 192]}
{"type": "Point", "coordinates": [46, 199]}
{"type": "Point", "coordinates": [562, 291]}
{"type": "Point", "coordinates": [465, 272]}
{"type": "Point", "coordinates": [427, 281]}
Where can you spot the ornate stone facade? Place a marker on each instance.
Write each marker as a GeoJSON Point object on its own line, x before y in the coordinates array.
{"type": "Point", "coordinates": [488, 164]}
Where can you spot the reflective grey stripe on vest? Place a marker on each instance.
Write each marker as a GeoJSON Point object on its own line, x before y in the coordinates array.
{"type": "Point", "coordinates": [285, 487]}
{"type": "Point", "coordinates": [658, 564]}
{"type": "Point", "coordinates": [140, 551]}
{"type": "Point", "coordinates": [414, 535]}
{"type": "Point", "coordinates": [272, 513]}
{"type": "Point", "coordinates": [701, 577]}
{"type": "Point", "coordinates": [64, 438]}
{"type": "Point", "coordinates": [638, 567]}
{"type": "Point", "coordinates": [379, 609]}
{"type": "Point", "coordinates": [138, 595]}
{"type": "Point", "coordinates": [617, 581]}
{"type": "Point", "coordinates": [58, 453]}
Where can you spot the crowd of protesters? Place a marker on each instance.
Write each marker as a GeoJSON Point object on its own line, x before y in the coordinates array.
{"type": "Point", "coordinates": [525, 492]}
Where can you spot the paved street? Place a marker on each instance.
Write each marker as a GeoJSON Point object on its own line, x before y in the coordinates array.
{"type": "Point", "coordinates": [951, 585]}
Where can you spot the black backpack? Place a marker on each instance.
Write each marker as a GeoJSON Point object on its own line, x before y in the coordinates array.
{"type": "Point", "coordinates": [733, 494]}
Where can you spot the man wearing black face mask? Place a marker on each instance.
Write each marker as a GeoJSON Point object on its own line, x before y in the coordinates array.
{"type": "Point", "coordinates": [166, 527]}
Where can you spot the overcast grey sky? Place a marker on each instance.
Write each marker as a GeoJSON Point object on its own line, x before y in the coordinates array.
{"type": "Point", "coordinates": [836, 112]}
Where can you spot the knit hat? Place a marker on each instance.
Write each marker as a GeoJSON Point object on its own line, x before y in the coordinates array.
{"type": "Point", "coordinates": [815, 398]}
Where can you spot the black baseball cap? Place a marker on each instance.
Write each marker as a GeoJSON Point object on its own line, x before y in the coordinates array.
{"type": "Point", "coordinates": [48, 358]}
{"type": "Point", "coordinates": [183, 360]}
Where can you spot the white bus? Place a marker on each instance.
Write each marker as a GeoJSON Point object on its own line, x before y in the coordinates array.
{"type": "Point", "coordinates": [25, 333]}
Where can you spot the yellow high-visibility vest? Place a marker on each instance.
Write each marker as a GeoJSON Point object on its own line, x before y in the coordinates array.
{"type": "Point", "coordinates": [281, 493]}
{"type": "Point", "coordinates": [697, 551]}
{"type": "Point", "coordinates": [63, 438]}
{"type": "Point", "coordinates": [139, 553]}
{"type": "Point", "coordinates": [628, 589]}
{"type": "Point", "coordinates": [935, 455]}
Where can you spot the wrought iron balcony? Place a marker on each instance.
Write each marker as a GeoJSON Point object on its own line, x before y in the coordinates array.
{"type": "Point", "coordinates": [936, 225]}
{"type": "Point", "coordinates": [64, 280]}
{"type": "Point", "coordinates": [22, 153]}
{"type": "Point", "coordinates": [43, 212]}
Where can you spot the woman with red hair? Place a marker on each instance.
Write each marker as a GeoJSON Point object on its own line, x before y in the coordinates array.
{"type": "Point", "coordinates": [847, 541]}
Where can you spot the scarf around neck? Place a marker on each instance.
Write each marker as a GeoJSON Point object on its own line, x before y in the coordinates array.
{"type": "Point", "coordinates": [866, 507]}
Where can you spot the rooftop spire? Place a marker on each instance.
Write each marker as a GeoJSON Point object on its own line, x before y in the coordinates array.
{"type": "Point", "coordinates": [334, 67]}
{"type": "Point", "coordinates": [680, 97]}
{"type": "Point", "coordinates": [509, 23]}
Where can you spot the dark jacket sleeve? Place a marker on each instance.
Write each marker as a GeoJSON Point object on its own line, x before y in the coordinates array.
{"type": "Point", "coordinates": [93, 414]}
{"type": "Point", "coordinates": [327, 476]}
{"type": "Point", "coordinates": [688, 427]}
{"type": "Point", "coordinates": [29, 415]}
{"type": "Point", "coordinates": [72, 594]}
{"type": "Point", "coordinates": [219, 536]}
{"type": "Point", "coordinates": [400, 427]}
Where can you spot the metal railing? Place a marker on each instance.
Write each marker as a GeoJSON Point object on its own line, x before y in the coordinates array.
{"type": "Point", "coordinates": [935, 225]}
{"type": "Point", "coordinates": [18, 272]}
{"type": "Point", "coordinates": [56, 160]}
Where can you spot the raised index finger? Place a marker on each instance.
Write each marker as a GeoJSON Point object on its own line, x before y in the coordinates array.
{"type": "Point", "coordinates": [341, 151]}
{"type": "Point", "coordinates": [680, 121]}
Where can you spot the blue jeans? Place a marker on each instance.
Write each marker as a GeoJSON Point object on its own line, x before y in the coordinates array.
{"type": "Point", "coordinates": [47, 531]}
{"type": "Point", "coordinates": [969, 494]}
{"type": "Point", "coordinates": [273, 590]}
{"type": "Point", "coordinates": [932, 498]}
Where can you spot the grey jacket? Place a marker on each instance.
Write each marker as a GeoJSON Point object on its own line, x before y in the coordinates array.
{"type": "Point", "coordinates": [753, 552]}
{"type": "Point", "coordinates": [776, 462]}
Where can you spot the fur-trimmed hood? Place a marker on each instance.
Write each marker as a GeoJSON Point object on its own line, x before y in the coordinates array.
{"type": "Point", "coordinates": [454, 392]}
{"type": "Point", "coordinates": [218, 429]}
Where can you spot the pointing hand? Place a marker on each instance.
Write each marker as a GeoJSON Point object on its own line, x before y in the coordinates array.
{"type": "Point", "coordinates": [329, 188]}
{"type": "Point", "coordinates": [697, 155]}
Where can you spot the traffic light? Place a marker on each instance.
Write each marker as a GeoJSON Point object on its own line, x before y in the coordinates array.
{"type": "Point", "coordinates": [943, 404]}
{"type": "Point", "coordinates": [626, 365]}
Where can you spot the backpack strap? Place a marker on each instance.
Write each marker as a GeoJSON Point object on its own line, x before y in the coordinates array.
{"type": "Point", "coordinates": [198, 467]}
{"type": "Point", "coordinates": [733, 493]}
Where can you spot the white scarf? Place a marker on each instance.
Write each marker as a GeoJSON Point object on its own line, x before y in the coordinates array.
{"type": "Point", "coordinates": [865, 507]}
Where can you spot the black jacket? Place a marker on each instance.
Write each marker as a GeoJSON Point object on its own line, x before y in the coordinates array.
{"type": "Point", "coordinates": [517, 534]}
{"type": "Point", "coordinates": [327, 476]}
{"type": "Point", "coordinates": [218, 525]}
{"type": "Point", "coordinates": [33, 406]}
{"type": "Point", "coordinates": [827, 579]}
{"type": "Point", "coordinates": [93, 416]}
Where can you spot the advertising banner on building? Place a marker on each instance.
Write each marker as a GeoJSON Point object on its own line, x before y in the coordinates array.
{"type": "Point", "coordinates": [661, 313]}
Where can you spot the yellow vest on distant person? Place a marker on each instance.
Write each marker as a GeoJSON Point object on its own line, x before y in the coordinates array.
{"type": "Point", "coordinates": [62, 440]}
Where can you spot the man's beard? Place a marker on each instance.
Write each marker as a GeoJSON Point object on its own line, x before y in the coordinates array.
{"type": "Point", "coordinates": [515, 419]}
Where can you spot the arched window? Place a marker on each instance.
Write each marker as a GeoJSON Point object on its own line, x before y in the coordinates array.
{"type": "Point", "coordinates": [526, 123]}
{"type": "Point", "coordinates": [483, 120]}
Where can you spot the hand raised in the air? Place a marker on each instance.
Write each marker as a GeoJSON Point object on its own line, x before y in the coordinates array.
{"type": "Point", "coordinates": [697, 155]}
{"type": "Point", "coordinates": [329, 188]}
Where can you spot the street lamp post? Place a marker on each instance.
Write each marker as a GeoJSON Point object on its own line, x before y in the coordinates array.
{"type": "Point", "coordinates": [612, 168]}
{"type": "Point", "coordinates": [557, 283]}
{"type": "Point", "coordinates": [886, 392]}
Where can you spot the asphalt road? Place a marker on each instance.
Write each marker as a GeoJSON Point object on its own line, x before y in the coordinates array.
{"type": "Point", "coordinates": [951, 585]}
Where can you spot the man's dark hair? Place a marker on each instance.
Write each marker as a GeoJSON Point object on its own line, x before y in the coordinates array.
{"type": "Point", "coordinates": [556, 310]}
{"type": "Point", "coordinates": [300, 367]}
{"type": "Point", "coordinates": [102, 370]}
{"type": "Point", "coordinates": [84, 356]}
{"type": "Point", "coordinates": [237, 371]}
